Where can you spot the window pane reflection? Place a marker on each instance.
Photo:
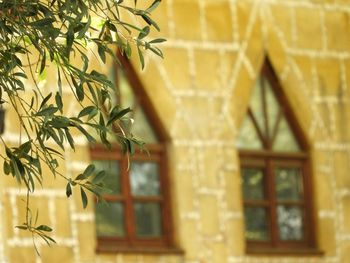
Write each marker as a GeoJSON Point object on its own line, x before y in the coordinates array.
{"type": "Point", "coordinates": [144, 179]}
{"type": "Point", "coordinates": [148, 219]}
{"type": "Point", "coordinates": [285, 139]}
{"type": "Point", "coordinates": [253, 184]}
{"type": "Point", "coordinates": [288, 184]}
{"type": "Point", "coordinates": [290, 223]}
{"type": "Point", "coordinates": [112, 178]}
{"type": "Point", "coordinates": [272, 106]}
{"type": "Point", "coordinates": [256, 224]}
{"type": "Point", "coordinates": [248, 137]}
{"type": "Point", "coordinates": [110, 219]}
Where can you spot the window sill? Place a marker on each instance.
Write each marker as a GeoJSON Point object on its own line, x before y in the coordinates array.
{"type": "Point", "coordinates": [139, 250]}
{"type": "Point", "coordinates": [284, 252]}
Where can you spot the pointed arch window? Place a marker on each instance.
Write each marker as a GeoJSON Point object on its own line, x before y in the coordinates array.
{"type": "Point", "coordinates": [137, 214]}
{"type": "Point", "coordinates": [275, 173]}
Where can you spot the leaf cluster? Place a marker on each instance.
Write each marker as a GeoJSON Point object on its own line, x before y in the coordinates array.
{"type": "Point", "coordinates": [37, 33]}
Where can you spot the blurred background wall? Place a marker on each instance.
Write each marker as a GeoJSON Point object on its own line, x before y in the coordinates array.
{"type": "Point", "coordinates": [200, 92]}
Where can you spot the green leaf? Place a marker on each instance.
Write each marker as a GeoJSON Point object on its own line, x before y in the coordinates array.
{"type": "Point", "coordinates": [7, 168]}
{"type": "Point", "coordinates": [117, 114]}
{"type": "Point", "coordinates": [83, 197]}
{"type": "Point", "coordinates": [22, 227]}
{"type": "Point", "coordinates": [44, 228]}
{"type": "Point", "coordinates": [86, 111]}
{"type": "Point", "coordinates": [153, 6]}
{"type": "Point", "coordinates": [42, 22]}
{"type": "Point", "coordinates": [80, 177]}
{"type": "Point", "coordinates": [59, 102]}
{"type": "Point", "coordinates": [45, 100]}
{"type": "Point", "coordinates": [69, 42]}
{"type": "Point", "coordinates": [144, 32]}
{"type": "Point", "coordinates": [99, 177]}
{"type": "Point", "coordinates": [157, 40]}
{"type": "Point", "coordinates": [69, 138]}
{"type": "Point", "coordinates": [89, 170]}
{"type": "Point", "coordinates": [68, 190]}
{"type": "Point", "coordinates": [49, 111]}
{"type": "Point", "coordinates": [43, 63]}
{"type": "Point", "coordinates": [101, 53]}
{"type": "Point", "coordinates": [142, 60]}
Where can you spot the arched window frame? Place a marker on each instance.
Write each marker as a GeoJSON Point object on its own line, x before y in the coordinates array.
{"type": "Point", "coordinates": [157, 153]}
{"type": "Point", "coordinates": [267, 160]}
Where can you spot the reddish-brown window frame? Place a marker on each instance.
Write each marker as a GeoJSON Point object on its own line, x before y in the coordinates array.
{"type": "Point", "coordinates": [266, 159]}
{"type": "Point", "coordinates": [157, 152]}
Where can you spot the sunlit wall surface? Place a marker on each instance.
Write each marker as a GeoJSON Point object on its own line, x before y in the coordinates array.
{"type": "Point", "coordinates": [201, 92]}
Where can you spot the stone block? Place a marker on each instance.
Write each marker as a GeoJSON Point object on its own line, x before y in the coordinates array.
{"type": "Point", "coordinates": [160, 15]}
{"type": "Point", "coordinates": [308, 24]}
{"type": "Point", "coordinates": [328, 71]}
{"type": "Point", "coordinates": [208, 70]}
{"type": "Point", "coordinates": [235, 237]}
{"type": "Point", "coordinates": [337, 25]}
{"type": "Point", "coordinates": [212, 166]}
{"type": "Point", "coordinates": [233, 191]}
{"type": "Point", "coordinates": [218, 19]}
{"type": "Point", "coordinates": [326, 236]}
{"type": "Point", "coordinates": [176, 65]}
{"type": "Point", "coordinates": [341, 167]}
{"type": "Point", "coordinates": [187, 20]}
{"type": "Point", "coordinates": [345, 252]}
{"type": "Point", "coordinates": [209, 215]}
{"type": "Point", "coordinates": [56, 254]}
{"type": "Point", "coordinates": [87, 240]}
{"type": "Point", "coordinates": [281, 18]}
{"type": "Point", "coordinates": [304, 65]}
{"type": "Point", "coordinates": [185, 192]}
{"type": "Point", "coordinates": [189, 238]}
{"type": "Point", "coordinates": [342, 115]}
{"type": "Point", "coordinates": [63, 226]}
{"type": "Point", "coordinates": [219, 251]}
{"type": "Point", "coordinates": [22, 254]}
{"type": "Point", "coordinates": [345, 203]}
{"type": "Point", "coordinates": [323, 193]}
{"type": "Point", "coordinates": [244, 12]}
{"type": "Point", "coordinates": [196, 110]}
{"type": "Point", "coordinates": [241, 96]}
{"type": "Point", "coordinates": [298, 100]}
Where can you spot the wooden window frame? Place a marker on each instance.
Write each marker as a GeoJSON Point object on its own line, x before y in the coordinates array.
{"type": "Point", "coordinates": [266, 159]}
{"type": "Point", "coordinates": [157, 153]}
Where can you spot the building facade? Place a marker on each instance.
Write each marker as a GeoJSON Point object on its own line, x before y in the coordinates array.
{"type": "Point", "coordinates": [201, 94]}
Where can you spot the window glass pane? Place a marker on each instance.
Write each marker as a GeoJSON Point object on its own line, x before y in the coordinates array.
{"type": "Point", "coordinates": [285, 139]}
{"type": "Point", "coordinates": [110, 219]}
{"type": "Point", "coordinates": [148, 219]}
{"type": "Point", "coordinates": [256, 104]}
{"type": "Point", "coordinates": [112, 178]}
{"type": "Point", "coordinates": [141, 128]}
{"type": "Point", "coordinates": [127, 98]}
{"type": "Point", "coordinates": [256, 223]}
{"type": "Point", "coordinates": [288, 184]}
{"type": "Point", "coordinates": [248, 137]}
{"type": "Point", "coordinates": [290, 222]}
{"type": "Point", "coordinates": [253, 183]}
{"type": "Point", "coordinates": [144, 178]}
{"type": "Point", "coordinates": [272, 106]}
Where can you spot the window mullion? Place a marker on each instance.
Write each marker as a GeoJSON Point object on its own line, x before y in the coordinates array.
{"type": "Point", "coordinates": [267, 141]}
{"type": "Point", "coordinates": [129, 214]}
{"type": "Point", "coordinates": [273, 202]}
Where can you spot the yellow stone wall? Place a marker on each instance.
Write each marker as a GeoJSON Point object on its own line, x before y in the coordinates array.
{"type": "Point", "coordinates": [201, 91]}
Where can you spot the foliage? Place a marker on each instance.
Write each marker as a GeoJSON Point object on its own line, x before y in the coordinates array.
{"type": "Point", "coordinates": [36, 33]}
